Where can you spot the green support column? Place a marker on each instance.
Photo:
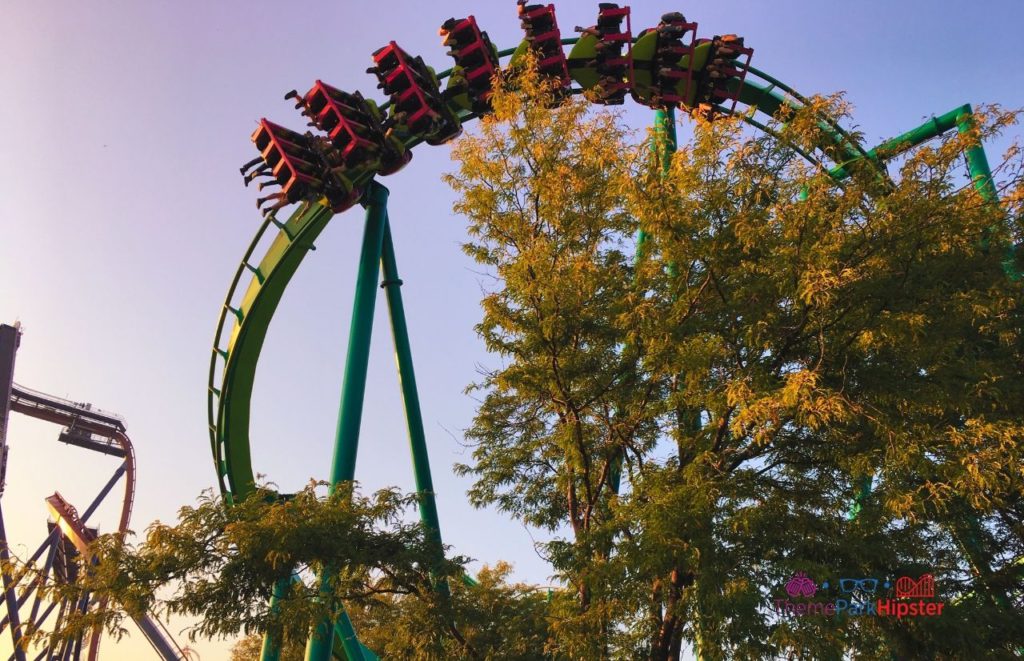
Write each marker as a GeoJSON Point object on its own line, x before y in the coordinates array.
{"type": "Point", "coordinates": [977, 161]}
{"type": "Point", "coordinates": [352, 393]}
{"type": "Point", "coordinates": [664, 134]}
{"type": "Point", "coordinates": [410, 396]}
{"type": "Point", "coordinates": [862, 494]}
{"type": "Point", "coordinates": [271, 650]}
{"type": "Point", "coordinates": [981, 175]}
{"type": "Point", "coordinates": [354, 385]}
{"type": "Point", "coordinates": [967, 535]}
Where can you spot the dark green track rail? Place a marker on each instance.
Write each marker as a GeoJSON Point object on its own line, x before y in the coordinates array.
{"type": "Point", "coordinates": [247, 313]}
{"type": "Point", "coordinates": [245, 317]}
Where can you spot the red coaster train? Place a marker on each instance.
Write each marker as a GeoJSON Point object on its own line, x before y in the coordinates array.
{"type": "Point", "coordinates": [664, 67]}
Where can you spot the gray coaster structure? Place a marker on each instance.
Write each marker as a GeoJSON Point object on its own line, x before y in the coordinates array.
{"type": "Point", "coordinates": [68, 535]}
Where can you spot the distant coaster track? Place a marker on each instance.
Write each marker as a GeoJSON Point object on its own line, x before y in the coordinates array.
{"type": "Point", "coordinates": [324, 173]}
{"type": "Point", "coordinates": [86, 427]}
{"type": "Point", "coordinates": [93, 430]}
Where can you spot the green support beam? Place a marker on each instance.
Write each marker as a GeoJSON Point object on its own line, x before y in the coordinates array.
{"type": "Point", "coordinates": [378, 254]}
{"type": "Point", "coordinates": [981, 176]}
{"type": "Point", "coordinates": [977, 161]}
{"type": "Point", "coordinates": [353, 391]}
{"type": "Point", "coordinates": [350, 415]}
{"type": "Point", "coordinates": [891, 148]}
{"type": "Point", "coordinates": [271, 650]}
{"type": "Point", "coordinates": [664, 136]}
{"type": "Point", "coordinates": [410, 396]}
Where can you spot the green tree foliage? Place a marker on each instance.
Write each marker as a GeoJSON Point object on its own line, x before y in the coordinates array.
{"type": "Point", "coordinates": [250, 648]}
{"type": "Point", "coordinates": [488, 618]}
{"type": "Point", "coordinates": [781, 338]}
{"type": "Point", "coordinates": [219, 563]}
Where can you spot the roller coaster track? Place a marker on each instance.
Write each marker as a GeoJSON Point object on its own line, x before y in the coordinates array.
{"type": "Point", "coordinates": [246, 314]}
{"type": "Point", "coordinates": [260, 280]}
{"type": "Point", "coordinates": [91, 429]}
{"type": "Point", "coordinates": [94, 430]}
{"type": "Point", "coordinates": [74, 529]}
{"type": "Point", "coordinates": [98, 431]}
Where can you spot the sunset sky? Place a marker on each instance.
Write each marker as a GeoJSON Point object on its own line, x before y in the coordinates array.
{"type": "Point", "coordinates": [123, 217]}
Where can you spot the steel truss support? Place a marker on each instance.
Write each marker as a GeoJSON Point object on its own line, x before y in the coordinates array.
{"type": "Point", "coordinates": [39, 581]}
{"type": "Point", "coordinates": [410, 398]}
{"type": "Point", "coordinates": [72, 649]}
{"type": "Point", "coordinates": [9, 595]}
{"type": "Point", "coordinates": [38, 584]}
{"type": "Point", "coordinates": [50, 543]}
{"type": "Point", "coordinates": [377, 257]}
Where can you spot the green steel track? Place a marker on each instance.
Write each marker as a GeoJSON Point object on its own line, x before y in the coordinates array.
{"type": "Point", "coordinates": [246, 314]}
{"type": "Point", "coordinates": [248, 310]}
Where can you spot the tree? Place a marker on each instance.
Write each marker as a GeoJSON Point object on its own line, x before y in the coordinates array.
{"type": "Point", "coordinates": [218, 564]}
{"type": "Point", "coordinates": [781, 338]}
{"type": "Point", "coordinates": [490, 619]}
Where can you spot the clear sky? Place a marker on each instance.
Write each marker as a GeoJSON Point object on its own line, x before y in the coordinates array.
{"type": "Point", "coordinates": [123, 217]}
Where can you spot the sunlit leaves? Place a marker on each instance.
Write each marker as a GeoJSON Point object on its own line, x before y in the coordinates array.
{"type": "Point", "coordinates": [219, 563]}
{"type": "Point", "coordinates": [781, 336]}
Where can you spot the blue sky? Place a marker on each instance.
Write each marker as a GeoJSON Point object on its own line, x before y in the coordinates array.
{"type": "Point", "coordinates": [123, 217]}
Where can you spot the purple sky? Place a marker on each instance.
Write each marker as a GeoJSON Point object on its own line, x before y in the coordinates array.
{"type": "Point", "coordinates": [123, 217]}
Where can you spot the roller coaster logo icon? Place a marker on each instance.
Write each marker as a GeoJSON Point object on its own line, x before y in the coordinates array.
{"type": "Point", "coordinates": [908, 588]}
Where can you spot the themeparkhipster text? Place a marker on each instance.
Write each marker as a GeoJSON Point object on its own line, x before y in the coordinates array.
{"type": "Point", "coordinates": [852, 607]}
{"type": "Point", "coordinates": [913, 598]}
